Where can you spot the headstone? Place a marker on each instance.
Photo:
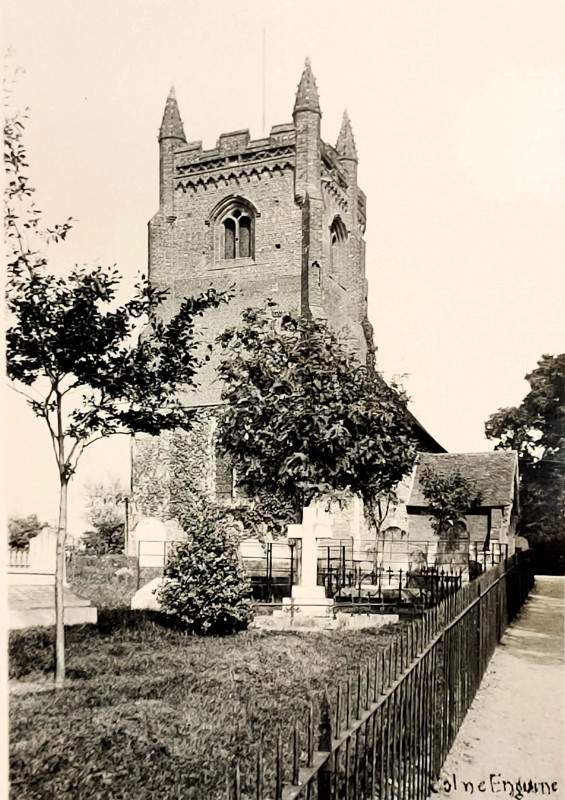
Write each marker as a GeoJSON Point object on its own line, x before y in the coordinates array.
{"type": "Point", "coordinates": [37, 564]}
{"type": "Point", "coordinates": [150, 529]}
{"type": "Point", "coordinates": [453, 548]}
{"type": "Point", "coordinates": [394, 550]}
{"type": "Point", "coordinates": [145, 598]}
{"type": "Point", "coordinates": [307, 597]}
{"type": "Point", "coordinates": [148, 541]}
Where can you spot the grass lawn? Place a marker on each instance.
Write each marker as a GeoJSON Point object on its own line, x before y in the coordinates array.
{"type": "Point", "coordinates": [152, 713]}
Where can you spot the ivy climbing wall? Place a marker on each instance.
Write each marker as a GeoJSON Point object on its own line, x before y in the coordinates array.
{"type": "Point", "coordinates": [171, 471]}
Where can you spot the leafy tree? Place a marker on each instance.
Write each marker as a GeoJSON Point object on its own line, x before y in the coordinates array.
{"type": "Point", "coordinates": [536, 430]}
{"type": "Point", "coordinates": [303, 419]}
{"type": "Point", "coordinates": [204, 583]}
{"type": "Point", "coordinates": [22, 529]}
{"type": "Point", "coordinates": [106, 512]}
{"type": "Point", "coordinates": [74, 352]}
{"type": "Point", "coordinates": [449, 495]}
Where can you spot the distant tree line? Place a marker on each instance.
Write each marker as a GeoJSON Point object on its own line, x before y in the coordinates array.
{"type": "Point", "coordinates": [536, 430]}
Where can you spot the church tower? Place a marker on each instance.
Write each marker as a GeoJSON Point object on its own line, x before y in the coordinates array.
{"type": "Point", "coordinates": [282, 218]}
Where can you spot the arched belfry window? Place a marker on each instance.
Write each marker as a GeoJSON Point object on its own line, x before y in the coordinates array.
{"type": "Point", "coordinates": [234, 229]}
{"type": "Point", "coordinates": [338, 249]}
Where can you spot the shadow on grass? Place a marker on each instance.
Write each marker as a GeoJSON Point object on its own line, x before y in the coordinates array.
{"type": "Point", "coordinates": [31, 651]}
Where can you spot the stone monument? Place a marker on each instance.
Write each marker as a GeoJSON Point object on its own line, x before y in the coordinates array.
{"type": "Point", "coordinates": [307, 597]}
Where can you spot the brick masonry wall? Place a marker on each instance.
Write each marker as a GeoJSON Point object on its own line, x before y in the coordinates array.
{"type": "Point", "coordinates": [272, 175]}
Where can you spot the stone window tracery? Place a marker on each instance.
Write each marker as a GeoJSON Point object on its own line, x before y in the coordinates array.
{"type": "Point", "coordinates": [235, 231]}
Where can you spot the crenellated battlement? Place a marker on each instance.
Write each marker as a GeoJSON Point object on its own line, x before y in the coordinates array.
{"type": "Point", "coordinates": [234, 146]}
{"type": "Point", "coordinates": [281, 217]}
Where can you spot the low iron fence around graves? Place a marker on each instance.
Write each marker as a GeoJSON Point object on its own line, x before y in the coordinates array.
{"type": "Point", "coordinates": [385, 734]}
{"type": "Point", "coordinates": [353, 581]}
{"type": "Point", "coordinates": [347, 576]}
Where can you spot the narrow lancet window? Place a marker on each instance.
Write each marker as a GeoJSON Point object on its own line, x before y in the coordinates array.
{"type": "Point", "coordinates": [230, 238]}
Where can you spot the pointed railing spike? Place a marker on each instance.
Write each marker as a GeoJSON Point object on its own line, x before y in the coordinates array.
{"type": "Point", "coordinates": [325, 726]}
{"type": "Point", "coordinates": [279, 770]}
{"type": "Point", "coordinates": [295, 755]}
{"type": "Point", "coordinates": [310, 735]}
{"type": "Point", "coordinates": [259, 776]}
{"type": "Point", "coordinates": [358, 698]}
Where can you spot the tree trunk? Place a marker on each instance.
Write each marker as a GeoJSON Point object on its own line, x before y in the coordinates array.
{"type": "Point", "coordinates": [299, 507]}
{"type": "Point", "coordinates": [59, 579]}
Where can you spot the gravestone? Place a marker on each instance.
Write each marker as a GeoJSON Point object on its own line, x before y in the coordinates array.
{"type": "Point", "coordinates": [307, 597]}
{"type": "Point", "coordinates": [394, 550]}
{"type": "Point", "coordinates": [145, 597]}
{"type": "Point", "coordinates": [148, 542]}
{"type": "Point", "coordinates": [452, 553]}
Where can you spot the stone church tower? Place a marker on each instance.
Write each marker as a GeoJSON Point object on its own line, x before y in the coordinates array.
{"type": "Point", "coordinates": [279, 218]}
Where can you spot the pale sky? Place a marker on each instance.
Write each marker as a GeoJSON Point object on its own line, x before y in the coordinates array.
{"type": "Point", "coordinates": [458, 110]}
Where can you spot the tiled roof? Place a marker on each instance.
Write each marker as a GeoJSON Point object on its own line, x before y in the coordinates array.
{"type": "Point", "coordinates": [492, 474]}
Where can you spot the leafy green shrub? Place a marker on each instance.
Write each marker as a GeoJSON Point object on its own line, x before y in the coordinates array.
{"type": "Point", "coordinates": [205, 585]}
{"type": "Point", "coordinates": [106, 513]}
{"type": "Point", "coordinates": [22, 529]}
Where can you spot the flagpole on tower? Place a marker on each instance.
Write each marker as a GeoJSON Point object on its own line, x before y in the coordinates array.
{"type": "Point", "coordinates": [264, 77]}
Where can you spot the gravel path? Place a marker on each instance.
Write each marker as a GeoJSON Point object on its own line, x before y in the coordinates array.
{"type": "Point", "coordinates": [514, 730]}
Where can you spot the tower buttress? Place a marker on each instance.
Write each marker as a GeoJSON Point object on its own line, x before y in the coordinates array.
{"type": "Point", "coordinates": [171, 137]}
{"type": "Point", "coordinates": [347, 154]}
{"type": "Point", "coordinates": [308, 188]}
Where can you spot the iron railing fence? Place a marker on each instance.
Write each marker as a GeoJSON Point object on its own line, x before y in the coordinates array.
{"type": "Point", "coordinates": [354, 575]}
{"type": "Point", "coordinates": [273, 575]}
{"type": "Point", "coordinates": [487, 557]}
{"type": "Point", "coordinates": [385, 733]}
{"type": "Point", "coordinates": [153, 555]}
{"type": "Point", "coordinates": [384, 585]}
{"type": "Point", "coordinates": [347, 574]}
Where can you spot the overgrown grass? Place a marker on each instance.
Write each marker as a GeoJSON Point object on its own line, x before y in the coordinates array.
{"type": "Point", "coordinates": [150, 712]}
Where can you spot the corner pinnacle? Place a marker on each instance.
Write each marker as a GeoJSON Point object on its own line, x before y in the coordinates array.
{"type": "Point", "coordinates": [307, 95]}
{"type": "Point", "coordinates": [171, 126]}
{"type": "Point", "coordinates": [345, 145]}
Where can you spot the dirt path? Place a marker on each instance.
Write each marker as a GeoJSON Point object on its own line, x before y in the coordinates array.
{"type": "Point", "coordinates": [515, 728]}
